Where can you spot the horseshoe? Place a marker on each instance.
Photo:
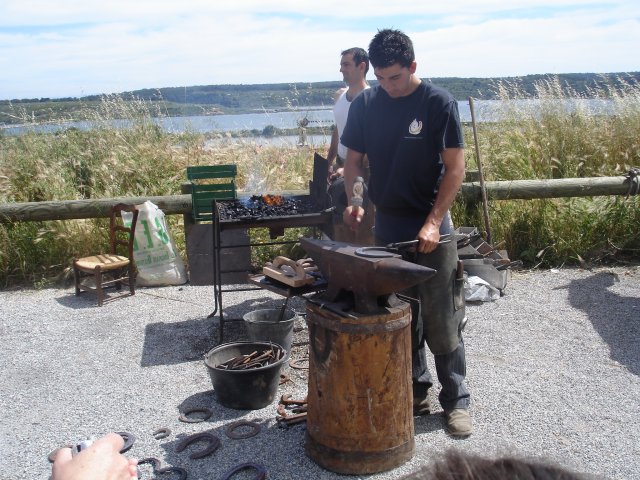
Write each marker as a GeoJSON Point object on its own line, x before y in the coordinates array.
{"type": "Point", "coordinates": [214, 444]}
{"type": "Point", "coordinates": [153, 461]}
{"type": "Point", "coordinates": [296, 363]}
{"type": "Point", "coordinates": [184, 418]}
{"type": "Point", "coordinates": [161, 433]}
{"type": "Point", "coordinates": [230, 430]}
{"type": "Point", "coordinates": [261, 471]}
{"type": "Point", "coordinates": [129, 439]}
{"type": "Point", "coordinates": [181, 471]}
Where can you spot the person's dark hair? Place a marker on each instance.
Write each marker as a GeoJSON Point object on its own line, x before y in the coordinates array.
{"type": "Point", "coordinates": [359, 56]}
{"type": "Point", "coordinates": [389, 47]}
{"type": "Point", "coordinates": [456, 465]}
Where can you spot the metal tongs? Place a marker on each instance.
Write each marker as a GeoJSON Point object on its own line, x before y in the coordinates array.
{"type": "Point", "coordinates": [446, 238]}
{"type": "Point", "coordinates": [396, 248]}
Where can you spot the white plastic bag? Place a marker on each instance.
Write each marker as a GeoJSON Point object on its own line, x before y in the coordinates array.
{"type": "Point", "coordinates": [154, 252]}
{"type": "Point", "coordinates": [478, 290]}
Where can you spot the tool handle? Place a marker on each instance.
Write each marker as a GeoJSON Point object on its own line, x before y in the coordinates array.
{"type": "Point", "coordinates": [296, 269]}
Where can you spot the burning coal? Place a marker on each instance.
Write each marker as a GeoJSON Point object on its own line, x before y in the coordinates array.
{"type": "Point", "coordinates": [272, 200]}
{"type": "Point", "coordinates": [262, 206]}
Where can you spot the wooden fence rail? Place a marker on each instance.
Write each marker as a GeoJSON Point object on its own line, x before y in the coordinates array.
{"type": "Point", "coordinates": [92, 208]}
{"type": "Point", "coordinates": [181, 204]}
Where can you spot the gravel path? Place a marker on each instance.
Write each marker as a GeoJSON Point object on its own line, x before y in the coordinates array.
{"type": "Point", "coordinates": [553, 366]}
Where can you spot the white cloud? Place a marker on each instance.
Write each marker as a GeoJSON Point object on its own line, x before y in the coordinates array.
{"type": "Point", "coordinates": [73, 48]}
{"type": "Point", "coordinates": [47, 12]}
{"type": "Point", "coordinates": [521, 47]}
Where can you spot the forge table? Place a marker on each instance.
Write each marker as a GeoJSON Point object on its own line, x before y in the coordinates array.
{"type": "Point", "coordinates": [276, 225]}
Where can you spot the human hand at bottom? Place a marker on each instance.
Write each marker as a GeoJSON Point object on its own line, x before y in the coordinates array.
{"type": "Point", "coordinates": [101, 461]}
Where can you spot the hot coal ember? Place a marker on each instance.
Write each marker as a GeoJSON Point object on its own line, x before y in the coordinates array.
{"type": "Point", "coordinates": [269, 199]}
{"type": "Point", "coordinates": [259, 206]}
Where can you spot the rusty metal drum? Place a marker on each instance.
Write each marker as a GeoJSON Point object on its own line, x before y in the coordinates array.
{"type": "Point", "coordinates": [360, 417]}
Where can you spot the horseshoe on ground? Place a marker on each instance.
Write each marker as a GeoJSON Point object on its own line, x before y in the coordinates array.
{"type": "Point", "coordinates": [184, 418]}
{"type": "Point", "coordinates": [230, 430]}
{"type": "Point", "coordinates": [181, 471]}
{"type": "Point", "coordinates": [153, 461]}
{"type": "Point", "coordinates": [261, 471]}
{"type": "Point", "coordinates": [129, 439]}
{"type": "Point", "coordinates": [297, 363]}
{"type": "Point", "coordinates": [161, 433]}
{"type": "Point", "coordinates": [214, 444]}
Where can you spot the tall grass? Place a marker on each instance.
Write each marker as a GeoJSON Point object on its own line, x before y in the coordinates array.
{"type": "Point", "coordinates": [560, 135]}
{"type": "Point", "coordinates": [555, 137]}
{"type": "Point", "coordinates": [104, 162]}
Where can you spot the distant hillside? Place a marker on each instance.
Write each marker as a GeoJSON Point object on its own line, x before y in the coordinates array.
{"type": "Point", "coordinates": [229, 98]}
{"type": "Point", "coordinates": [580, 83]}
{"type": "Point", "coordinates": [217, 99]}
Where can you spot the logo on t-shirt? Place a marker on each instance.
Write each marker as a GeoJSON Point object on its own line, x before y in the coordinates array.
{"type": "Point", "coordinates": [416, 127]}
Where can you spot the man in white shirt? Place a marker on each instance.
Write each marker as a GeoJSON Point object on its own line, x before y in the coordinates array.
{"type": "Point", "coordinates": [354, 66]}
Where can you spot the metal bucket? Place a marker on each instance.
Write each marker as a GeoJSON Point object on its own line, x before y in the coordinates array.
{"type": "Point", "coordinates": [271, 325]}
{"type": "Point", "coordinates": [486, 269]}
{"type": "Point", "coordinates": [249, 389]}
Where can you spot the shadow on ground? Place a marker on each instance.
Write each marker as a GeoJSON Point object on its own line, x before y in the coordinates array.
{"type": "Point", "coordinates": [168, 343]}
{"type": "Point", "coordinates": [89, 299]}
{"type": "Point", "coordinates": [179, 342]}
{"type": "Point", "coordinates": [428, 423]}
{"type": "Point", "coordinates": [614, 316]}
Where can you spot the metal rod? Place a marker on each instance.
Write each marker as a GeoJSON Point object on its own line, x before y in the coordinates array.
{"type": "Point", "coordinates": [445, 238]}
{"type": "Point", "coordinates": [330, 308]}
{"type": "Point", "coordinates": [283, 309]}
{"type": "Point", "coordinates": [483, 190]}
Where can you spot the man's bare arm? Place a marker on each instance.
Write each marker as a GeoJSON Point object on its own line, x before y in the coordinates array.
{"type": "Point", "coordinates": [429, 235]}
{"type": "Point", "coordinates": [332, 153]}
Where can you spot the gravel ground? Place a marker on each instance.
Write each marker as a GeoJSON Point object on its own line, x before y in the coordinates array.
{"type": "Point", "coordinates": [553, 367]}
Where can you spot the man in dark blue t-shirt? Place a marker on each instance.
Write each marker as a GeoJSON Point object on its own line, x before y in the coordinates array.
{"type": "Point", "coordinates": [410, 130]}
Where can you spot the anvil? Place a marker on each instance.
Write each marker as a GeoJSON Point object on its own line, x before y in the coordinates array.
{"type": "Point", "coordinates": [367, 277]}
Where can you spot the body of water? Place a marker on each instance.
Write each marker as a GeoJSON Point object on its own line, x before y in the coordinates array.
{"type": "Point", "coordinates": [200, 123]}
{"type": "Point", "coordinates": [485, 111]}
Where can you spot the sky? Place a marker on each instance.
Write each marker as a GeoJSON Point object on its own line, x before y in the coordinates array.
{"type": "Point", "coordinates": [72, 48]}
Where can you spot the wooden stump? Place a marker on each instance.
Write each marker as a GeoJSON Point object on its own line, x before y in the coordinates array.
{"type": "Point", "coordinates": [360, 416]}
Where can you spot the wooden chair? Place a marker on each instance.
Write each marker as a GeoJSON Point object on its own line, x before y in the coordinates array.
{"type": "Point", "coordinates": [113, 268]}
{"type": "Point", "coordinates": [209, 182]}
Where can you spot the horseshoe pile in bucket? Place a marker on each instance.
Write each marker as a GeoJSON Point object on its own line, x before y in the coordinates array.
{"type": "Point", "coordinates": [253, 360]}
